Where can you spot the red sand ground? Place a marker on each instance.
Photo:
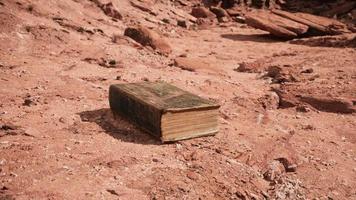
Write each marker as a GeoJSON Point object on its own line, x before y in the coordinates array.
{"type": "Point", "coordinates": [65, 144]}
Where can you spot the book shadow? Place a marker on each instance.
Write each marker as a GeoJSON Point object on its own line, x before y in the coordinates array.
{"type": "Point", "coordinates": [118, 127]}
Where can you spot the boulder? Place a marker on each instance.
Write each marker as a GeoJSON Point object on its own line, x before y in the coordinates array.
{"type": "Point", "coordinates": [288, 24]}
{"type": "Point", "coordinates": [202, 12]}
{"type": "Point", "coordinates": [147, 37]}
{"type": "Point", "coordinates": [219, 12]}
{"type": "Point", "coordinates": [263, 21]}
{"type": "Point", "coordinates": [291, 25]}
{"type": "Point", "coordinates": [321, 25]}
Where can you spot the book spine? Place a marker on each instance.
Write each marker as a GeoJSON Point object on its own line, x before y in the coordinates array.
{"type": "Point", "coordinates": [142, 114]}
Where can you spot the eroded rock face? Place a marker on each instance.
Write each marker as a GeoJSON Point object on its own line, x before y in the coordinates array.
{"type": "Point", "coordinates": [147, 37]}
{"type": "Point", "coordinates": [320, 25]}
{"type": "Point", "coordinates": [270, 23]}
{"type": "Point", "coordinates": [291, 25]}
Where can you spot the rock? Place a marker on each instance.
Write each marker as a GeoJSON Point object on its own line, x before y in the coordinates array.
{"type": "Point", "coordinates": [280, 74]}
{"type": "Point", "coordinates": [286, 100]}
{"type": "Point", "coordinates": [308, 71]}
{"type": "Point", "coordinates": [113, 192]}
{"type": "Point", "coordinates": [165, 20]}
{"type": "Point", "coordinates": [261, 23]}
{"type": "Point", "coordinates": [303, 108]}
{"type": "Point", "coordinates": [144, 8]}
{"type": "Point", "coordinates": [291, 25]}
{"type": "Point", "coordinates": [274, 170]}
{"type": "Point", "coordinates": [184, 15]}
{"type": "Point", "coordinates": [329, 104]}
{"type": "Point", "coordinates": [30, 100]}
{"type": "Point", "coordinates": [239, 19]}
{"type": "Point", "coordinates": [183, 23]}
{"type": "Point", "coordinates": [9, 126]}
{"type": "Point", "coordinates": [270, 101]}
{"type": "Point", "coordinates": [250, 67]}
{"type": "Point", "coordinates": [192, 175]}
{"type": "Point", "coordinates": [223, 19]}
{"type": "Point", "coordinates": [110, 10]}
{"type": "Point", "coordinates": [345, 40]}
{"type": "Point", "coordinates": [288, 164]}
{"type": "Point", "coordinates": [219, 12]}
{"type": "Point", "coordinates": [202, 12]}
{"type": "Point", "coordinates": [320, 25]}
{"type": "Point", "coordinates": [194, 64]}
{"type": "Point", "coordinates": [147, 37]}
{"type": "Point", "coordinates": [276, 25]}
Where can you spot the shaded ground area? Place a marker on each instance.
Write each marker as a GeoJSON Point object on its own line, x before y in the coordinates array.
{"type": "Point", "coordinates": [278, 139]}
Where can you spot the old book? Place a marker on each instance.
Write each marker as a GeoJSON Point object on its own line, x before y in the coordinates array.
{"type": "Point", "coordinates": [164, 110]}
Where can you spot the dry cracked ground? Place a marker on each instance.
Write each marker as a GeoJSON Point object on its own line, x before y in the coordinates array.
{"type": "Point", "coordinates": [287, 117]}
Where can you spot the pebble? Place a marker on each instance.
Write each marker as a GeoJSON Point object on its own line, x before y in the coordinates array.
{"type": "Point", "coordinates": [343, 138]}
{"type": "Point", "coordinates": [62, 120]}
{"type": "Point", "coordinates": [192, 175]}
{"type": "Point", "coordinates": [2, 162]}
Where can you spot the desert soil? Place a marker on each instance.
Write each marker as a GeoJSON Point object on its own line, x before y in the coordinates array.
{"type": "Point", "coordinates": [58, 139]}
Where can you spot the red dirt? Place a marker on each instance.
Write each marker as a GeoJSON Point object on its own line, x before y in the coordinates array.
{"type": "Point", "coordinates": [58, 139]}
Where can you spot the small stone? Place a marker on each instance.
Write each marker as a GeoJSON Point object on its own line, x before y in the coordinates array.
{"type": "Point", "coordinates": [145, 79]}
{"type": "Point", "coordinates": [308, 127]}
{"type": "Point", "coordinates": [155, 160]}
{"type": "Point", "coordinates": [231, 161]}
{"type": "Point", "coordinates": [113, 192]}
{"type": "Point", "coordinates": [343, 138]}
{"type": "Point", "coordinates": [307, 71]}
{"type": "Point", "coordinates": [292, 168]}
{"type": "Point", "coordinates": [13, 174]}
{"type": "Point", "coordinates": [165, 20]}
{"type": "Point", "coordinates": [223, 19]}
{"type": "Point", "coordinates": [239, 19]}
{"type": "Point", "coordinates": [179, 146]}
{"type": "Point", "coordinates": [303, 108]}
{"type": "Point", "coordinates": [192, 175]}
{"type": "Point", "coordinates": [112, 62]}
{"type": "Point", "coordinates": [183, 23]}
{"type": "Point", "coordinates": [62, 120]}
{"type": "Point", "coordinates": [28, 102]}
